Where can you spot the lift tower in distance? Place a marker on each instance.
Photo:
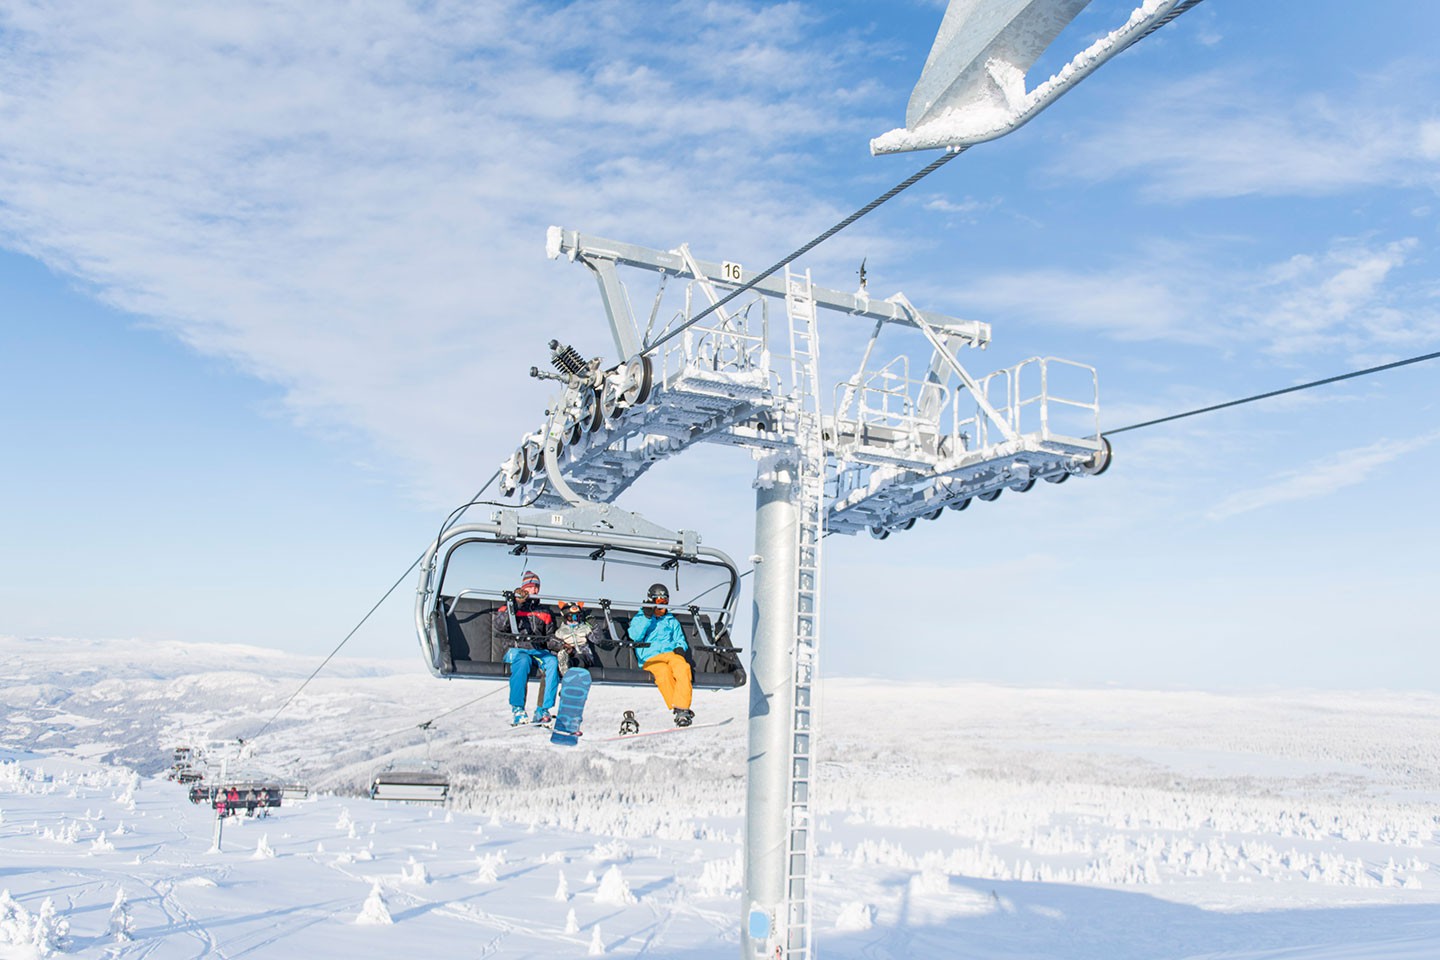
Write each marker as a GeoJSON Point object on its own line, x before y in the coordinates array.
{"type": "Point", "coordinates": [876, 452]}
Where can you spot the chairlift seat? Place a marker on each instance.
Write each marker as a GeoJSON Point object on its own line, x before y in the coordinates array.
{"type": "Point", "coordinates": [473, 649]}
{"type": "Point", "coordinates": [250, 795]}
{"type": "Point", "coordinates": [410, 786]}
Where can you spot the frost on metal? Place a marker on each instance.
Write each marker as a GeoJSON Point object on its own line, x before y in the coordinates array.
{"type": "Point", "coordinates": [973, 87]}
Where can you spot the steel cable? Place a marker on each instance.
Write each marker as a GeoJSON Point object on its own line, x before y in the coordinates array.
{"type": "Point", "coordinates": [1275, 393]}
{"type": "Point", "coordinates": [454, 518]}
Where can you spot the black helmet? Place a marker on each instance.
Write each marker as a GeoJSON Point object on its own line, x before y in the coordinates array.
{"type": "Point", "coordinates": [658, 592]}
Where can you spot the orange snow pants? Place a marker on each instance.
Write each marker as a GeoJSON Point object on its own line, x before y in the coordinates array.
{"type": "Point", "coordinates": [672, 676]}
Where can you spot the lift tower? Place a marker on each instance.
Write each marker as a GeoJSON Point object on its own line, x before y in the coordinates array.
{"type": "Point", "coordinates": [893, 448]}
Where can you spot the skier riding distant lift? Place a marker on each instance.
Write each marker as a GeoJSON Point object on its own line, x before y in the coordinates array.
{"type": "Point", "coordinates": [529, 624]}
{"type": "Point", "coordinates": [659, 645]}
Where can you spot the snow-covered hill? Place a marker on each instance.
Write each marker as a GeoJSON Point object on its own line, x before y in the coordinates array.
{"type": "Point", "coordinates": [956, 820]}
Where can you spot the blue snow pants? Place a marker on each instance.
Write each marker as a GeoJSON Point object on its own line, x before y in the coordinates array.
{"type": "Point", "coordinates": [519, 661]}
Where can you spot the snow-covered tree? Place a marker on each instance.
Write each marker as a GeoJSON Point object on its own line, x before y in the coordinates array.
{"type": "Point", "coordinates": [614, 888]}
{"type": "Point", "coordinates": [374, 912]}
{"type": "Point", "coordinates": [121, 926]}
{"type": "Point", "coordinates": [415, 873]}
{"type": "Point", "coordinates": [597, 945]}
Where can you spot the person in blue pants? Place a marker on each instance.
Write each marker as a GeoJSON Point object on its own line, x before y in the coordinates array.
{"type": "Point", "coordinates": [529, 633]}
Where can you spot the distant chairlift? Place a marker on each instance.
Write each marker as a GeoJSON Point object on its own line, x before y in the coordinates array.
{"type": "Point", "coordinates": [411, 785]}
{"type": "Point", "coordinates": [595, 553]}
{"type": "Point", "coordinates": [234, 797]}
{"type": "Point", "coordinates": [185, 767]}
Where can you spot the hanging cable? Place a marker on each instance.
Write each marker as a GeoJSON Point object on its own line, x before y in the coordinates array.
{"type": "Point", "coordinates": [905, 184]}
{"type": "Point", "coordinates": [1275, 393]}
{"type": "Point", "coordinates": [411, 728]}
{"type": "Point", "coordinates": [454, 516]}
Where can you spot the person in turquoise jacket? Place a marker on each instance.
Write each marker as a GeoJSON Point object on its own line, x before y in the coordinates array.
{"type": "Point", "coordinates": [659, 646]}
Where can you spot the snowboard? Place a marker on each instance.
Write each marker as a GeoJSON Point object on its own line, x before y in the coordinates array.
{"type": "Point", "coordinates": [570, 706]}
{"type": "Point", "coordinates": [664, 730]}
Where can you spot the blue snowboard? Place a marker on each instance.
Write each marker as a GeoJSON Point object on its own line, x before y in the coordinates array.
{"type": "Point", "coordinates": [570, 706]}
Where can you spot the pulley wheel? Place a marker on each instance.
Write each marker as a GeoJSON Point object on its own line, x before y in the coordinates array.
{"type": "Point", "coordinates": [935, 514]}
{"type": "Point", "coordinates": [1060, 477]}
{"type": "Point", "coordinates": [570, 432]}
{"type": "Point", "coordinates": [992, 496]}
{"type": "Point", "coordinates": [1024, 487]}
{"type": "Point", "coordinates": [522, 466]}
{"type": "Point", "coordinates": [612, 401]}
{"type": "Point", "coordinates": [534, 457]}
{"type": "Point", "coordinates": [637, 381]}
{"type": "Point", "coordinates": [879, 533]}
{"type": "Point", "coordinates": [1100, 461]}
{"type": "Point", "coordinates": [960, 504]}
{"type": "Point", "coordinates": [588, 405]}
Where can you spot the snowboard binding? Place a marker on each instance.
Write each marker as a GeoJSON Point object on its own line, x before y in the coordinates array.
{"type": "Point", "coordinates": [628, 724]}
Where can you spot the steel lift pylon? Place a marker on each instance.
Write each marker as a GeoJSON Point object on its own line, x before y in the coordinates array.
{"type": "Point", "coordinates": [892, 448]}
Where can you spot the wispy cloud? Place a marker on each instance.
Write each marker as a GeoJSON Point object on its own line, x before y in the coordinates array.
{"type": "Point", "coordinates": [350, 199]}
{"type": "Point", "coordinates": [1237, 133]}
{"type": "Point", "coordinates": [965, 209]}
{"type": "Point", "coordinates": [1354, 295]}
{"type": "Point", "coordinates": [1347, 468]}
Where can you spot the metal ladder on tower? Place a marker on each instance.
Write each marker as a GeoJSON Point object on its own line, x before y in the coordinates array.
{"type": "Point", "coordinates": [810, 457]}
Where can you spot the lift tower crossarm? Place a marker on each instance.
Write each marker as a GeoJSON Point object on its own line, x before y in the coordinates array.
{"type": "Point", "coordinates": [602, 256]}
{"type": "Point", "coordinates": [945, 356]}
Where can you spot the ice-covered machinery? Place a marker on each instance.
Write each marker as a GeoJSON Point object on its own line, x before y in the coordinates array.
{"type": "Point", "coordinates": [895, 445]}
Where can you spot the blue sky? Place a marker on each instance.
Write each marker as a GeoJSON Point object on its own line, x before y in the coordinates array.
{"type": "Point", "coordinates": [270, 277]}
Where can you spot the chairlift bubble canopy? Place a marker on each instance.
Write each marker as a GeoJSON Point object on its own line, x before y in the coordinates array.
{"type": "Point", "coordinates": [598, 554]}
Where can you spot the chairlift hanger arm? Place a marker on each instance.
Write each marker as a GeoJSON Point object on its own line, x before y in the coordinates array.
{"type": "Point", "coordinates": [594, 251]}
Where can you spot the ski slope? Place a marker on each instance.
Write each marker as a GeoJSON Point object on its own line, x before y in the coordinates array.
{"type": "Point", "coordinates": [994, 822]}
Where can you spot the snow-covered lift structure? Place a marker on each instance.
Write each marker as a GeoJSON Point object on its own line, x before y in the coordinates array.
{"type": "Point", "coordinates": [893, 447]}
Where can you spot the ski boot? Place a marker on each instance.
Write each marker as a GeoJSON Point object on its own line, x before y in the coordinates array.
{"type": "Point", "coordinates": [517, 716]}
{"type": "Point", "coordinates": [543, 718]}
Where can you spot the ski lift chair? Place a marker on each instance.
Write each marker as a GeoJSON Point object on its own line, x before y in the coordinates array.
{"type": "Point", "coordinates": [585, 545]}
{"type": "Point", "coordinates": [410, 785]}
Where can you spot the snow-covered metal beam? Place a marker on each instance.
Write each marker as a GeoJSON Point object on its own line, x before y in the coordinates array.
{"type": "Point", "coordinates": [973, 87]}
{"type": "Point", "coordinates": [598, 252]}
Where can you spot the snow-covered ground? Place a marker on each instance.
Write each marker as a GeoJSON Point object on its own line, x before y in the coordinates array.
{"type": "Point", "coordinates": [956, 820]}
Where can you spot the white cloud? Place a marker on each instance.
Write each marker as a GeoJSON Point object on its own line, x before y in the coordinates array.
{"type": "Point", "coordinates": [966, 208]}
{"type": "Point", "coordinates": [1236, 133]}
{"type": "Point", "coordinates": [350, 199]}
{"type": "Point", "coordinates": [1335, 299]}
{"type": "Point", "coordinates": [1348, 296]}
{"type": "Point", "coordinates": [1347, 468]}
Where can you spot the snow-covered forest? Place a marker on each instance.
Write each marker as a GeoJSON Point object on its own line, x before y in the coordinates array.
{"type": "Point", "coordinates": [956, 820]}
